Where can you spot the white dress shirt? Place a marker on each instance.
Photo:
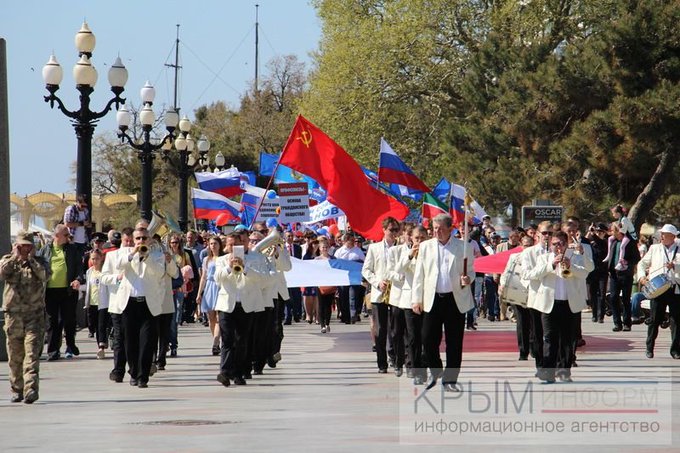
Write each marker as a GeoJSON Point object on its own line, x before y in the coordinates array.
{"type": "Point", "coordinates": [444, 284]}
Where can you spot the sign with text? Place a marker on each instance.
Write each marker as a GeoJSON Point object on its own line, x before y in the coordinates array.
{"type": "Point", "coordinates": [324, 211]}
{"type": "Point", "coordinates": [538, 214]}
{"type": "Point", "coordinates": [269, 209]}
{"type": "Point", "coordinates": [294, 202]}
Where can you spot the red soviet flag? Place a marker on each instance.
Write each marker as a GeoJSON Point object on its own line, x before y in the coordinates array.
{"type": "Point", "coordinates": [313, 153]}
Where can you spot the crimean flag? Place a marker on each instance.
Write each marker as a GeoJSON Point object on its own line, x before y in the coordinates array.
{"type": "Point", "coordinates": [311, 152]}
{"type": "Point", "coordinates": [209, 205]}
{"type": "Point", "coordinates": [393, 169]}
{"type": "Point", "coordinates": [226, 182]}
{"type": "Point", "coordinates": [432, 206]}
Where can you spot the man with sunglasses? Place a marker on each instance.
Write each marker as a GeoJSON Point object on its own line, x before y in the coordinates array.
{"type": "Point", "coordinates": [528, 258]}
{"type": "Point", "coordinates": [376, 271]}
{"type": "Point", "coordinates": [139, 274]}
{"type": "Point", "coordinates": [561, 294]}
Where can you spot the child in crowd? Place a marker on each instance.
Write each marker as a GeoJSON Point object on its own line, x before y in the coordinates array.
{"type": "Point", "coordinates": [628, 230]}
{"type": "Point", "coordinates": [97, 301]}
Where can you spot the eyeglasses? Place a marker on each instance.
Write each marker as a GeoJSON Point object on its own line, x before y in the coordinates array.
{"type": "Point", "coordinates": [546, 233]}
{"type": "Point", "coordinates": [395, 230]}
{"type": "Point", "coordinates": [142, 238]}
{"type": "Point", "coordinates": [263, 231]}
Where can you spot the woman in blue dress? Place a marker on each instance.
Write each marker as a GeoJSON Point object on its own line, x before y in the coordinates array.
{"type": "Point", "coordinates": [208, 289]}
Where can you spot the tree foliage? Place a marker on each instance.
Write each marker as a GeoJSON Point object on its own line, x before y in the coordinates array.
{"type": "Point", "coordinates": [570, 100]}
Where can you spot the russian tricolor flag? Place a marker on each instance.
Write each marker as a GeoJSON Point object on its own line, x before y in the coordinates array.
{"type": "Point", "coordinates": [250, 200]}
{"type": "Point", "coordinates": [393, 169]}
{"type": "Point", "coordinates": [209, 205]}
{"type": "Point", "coordinates": [458, 206]}
{"type": "Point", "coordinates": [226, 182]}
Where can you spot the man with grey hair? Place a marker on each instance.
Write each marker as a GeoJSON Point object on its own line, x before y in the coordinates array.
{"type": "Point", "coordinates": [65, 269]}
{"type": "Point", "coordinates": [441, 290]}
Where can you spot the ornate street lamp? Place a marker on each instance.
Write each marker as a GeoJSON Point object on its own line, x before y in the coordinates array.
{"type": "Point", "coordinates": [146, 149]}
{"type": "Point", "coordinates": [84, 120]}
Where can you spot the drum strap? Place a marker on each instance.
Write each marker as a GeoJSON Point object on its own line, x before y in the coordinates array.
{"type": "Point", "coordinates": [670, 260]}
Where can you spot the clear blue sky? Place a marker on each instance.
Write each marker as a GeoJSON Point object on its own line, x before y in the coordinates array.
{"type": "Point", "coordinates": [214, 34]}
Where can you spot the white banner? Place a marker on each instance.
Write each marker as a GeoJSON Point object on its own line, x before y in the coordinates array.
{"type": "Point", "coordinates": [324, 211]}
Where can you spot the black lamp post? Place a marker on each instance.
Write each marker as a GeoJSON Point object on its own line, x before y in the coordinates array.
{"type": "Point", "coordinates": [185, 164]}
{"type": "Point", "coordinates": [146, 149]}
{"type": "Point", "coordinates": [84, 120]}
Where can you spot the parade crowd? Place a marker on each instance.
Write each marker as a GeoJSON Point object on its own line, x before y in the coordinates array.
{"type": "Point", "coordinates": [419, 283]}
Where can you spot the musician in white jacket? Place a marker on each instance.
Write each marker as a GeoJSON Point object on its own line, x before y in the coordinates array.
{"type": "Point", "coordinates": [403, 265]}
{"type": "Point", "coordinates": [662, 263]}
{"type": "Point", "coordinates": [561, 294]}
{"type": "Point", "coordinates": [240, 295]}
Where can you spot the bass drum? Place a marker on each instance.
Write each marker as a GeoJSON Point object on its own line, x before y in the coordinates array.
{"type": "Point", "coordinates": [656, 286]}
{"type": "Point", "coordinates": [514, 292]}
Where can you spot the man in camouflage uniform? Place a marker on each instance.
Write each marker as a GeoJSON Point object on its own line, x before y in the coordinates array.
{"type": "Point", "coordinates": [24, 308]}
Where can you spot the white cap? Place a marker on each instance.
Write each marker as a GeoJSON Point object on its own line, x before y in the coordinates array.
{"type": "Point", "coordinates": [668, 228]}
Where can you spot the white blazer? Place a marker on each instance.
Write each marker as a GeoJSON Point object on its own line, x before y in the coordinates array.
{"type": "Point", "coordinates": [401, 275]}
{"type": "Point", "coordinates": [427, 270]}
{"type": "Point", "coordinates": [529, 258]}
{"type": "Point", "coordinates": [654, 261]}
{"type": "Point", "coordinates": [245, 287]}
{"type": "Point", "coordinates": [171, 271]}
{"type": "Point", "coordinates": [544, 273]}
{"type": "Point", "coordinates": [376, 268]}
{"type": "Point", "coordinates": [151, 270]}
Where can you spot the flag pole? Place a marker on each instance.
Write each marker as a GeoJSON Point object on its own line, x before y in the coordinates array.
{"type": "Point", "coordinates": [467, 202]}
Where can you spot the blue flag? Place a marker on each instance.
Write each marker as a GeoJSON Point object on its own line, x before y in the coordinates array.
{"type": "Point", "coordinates": [283, 174]}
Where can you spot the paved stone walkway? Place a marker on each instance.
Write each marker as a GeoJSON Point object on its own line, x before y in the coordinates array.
{"type": "Point", "coordinates": [326, 395]}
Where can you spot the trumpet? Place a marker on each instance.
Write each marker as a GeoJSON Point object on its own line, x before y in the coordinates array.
{"type": "Point", "coordinates": [385, 295]}
{"type": "Point", "coordinates": [564, 270]}
{"type": "Point", "coordinates": [143, 250]}
{"type": "Point", "coordinates": [237, 269]}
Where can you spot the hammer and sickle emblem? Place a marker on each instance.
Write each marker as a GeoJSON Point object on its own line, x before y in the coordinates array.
{"type": "Point", "coordinates": [305, 137]}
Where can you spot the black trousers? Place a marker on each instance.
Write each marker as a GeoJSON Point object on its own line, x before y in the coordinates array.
{"type": "Point", "coordinates": [326, 308]}
{"type": "Point", "coordinates": [523, 330]}
{"type": "Point", "coordinates": [103, 327]}
{"type": "Point", "coordinates": [294, 305]}
{"type": "Point", "coordinates": [620, 288]}
{"type": "Point", "coordinates": [658, 312]}
{"type": "Point", "coordinates": [343, 304]}
{"type": "Point", "coordinates": [597, 293]}
{"type": "Point", "coordinates": [60, 304]}
{"type": "Point", "coordinates": [536, 321]}
{"type": "Point", "coordinates": [397, 334]}
{"type": "Point", "coordinates": [414, 342]}
{"type": "Point", "coordinates": [164, 323]}
{"type": "Point", "coordinates": [380, 321]}
{"type": "Point", "coordinates": [261, 334]}
{"type": "Point", "coordinates": [141, 336]}
{"type": "Point", "coordinates": [92, 318]}
{"type": "Point", "coordinates": [234, 332]}
{"type": "Point", "coordinates": [558, 338]}
{"type": "Point", "coordinates": [118, 334]}
{"type": "Point", "coordinates": [444, 312]}
{"type": "Point", "coordinates": [279, 313]}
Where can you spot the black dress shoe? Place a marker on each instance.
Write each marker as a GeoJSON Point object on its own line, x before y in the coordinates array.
{"type": "Point", "coordinates": [115, 377]}
{"type": "Point", "coordinates": [432, 382]}
{"type": "Point", "coordinates": [523, 357]}
{"type": "Point", "coordinates": [649, 354]}
{"type": "Point", "coordinates": [581, 342]}
{"type": "Point", "coordinates": [617, 329]}
{"type": "Point", "coordinates": [675, 355]}
{"type": "Point", "coordinates": [248, 375]}
{"type": "Point", "coordinates": [16, 398]}
{"type": "Point", "coordinates": [222, 379]}
{"type": "Point", "coordinates": [451, 387]}
{"type": "Point", "coordinates": [626, 328]}
{"type": "Point", "coordinates": [238, 380]}
{"type": "Point", "coordinates": [409, 373]}
{"type": "Point", "coordinates": [143, 384]}
{"type": "Point", "coordinates": [52, 356]}
{"type": "Point", "coordinates": [215, 350]}
{"type": "Point", "coordinates": [134, 382]}
{"type": "Point", "coordinates": [287, 322]}
{"type": "Point", "coordinates": [271, 363]}
{"type": "Point", "coordinates": [257, 373]}
{"type": "Point", "coordinates": [382, 370]}
{"type": "Point", "coordinates": [398, 372]}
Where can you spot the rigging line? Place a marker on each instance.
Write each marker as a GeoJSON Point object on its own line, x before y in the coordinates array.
{"type": "Point", "coordinates": [217, 74]}
{"type": "Point", "coordinates": [274, 51]}
{"type": "Point", "coordinates": [160, 73]}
